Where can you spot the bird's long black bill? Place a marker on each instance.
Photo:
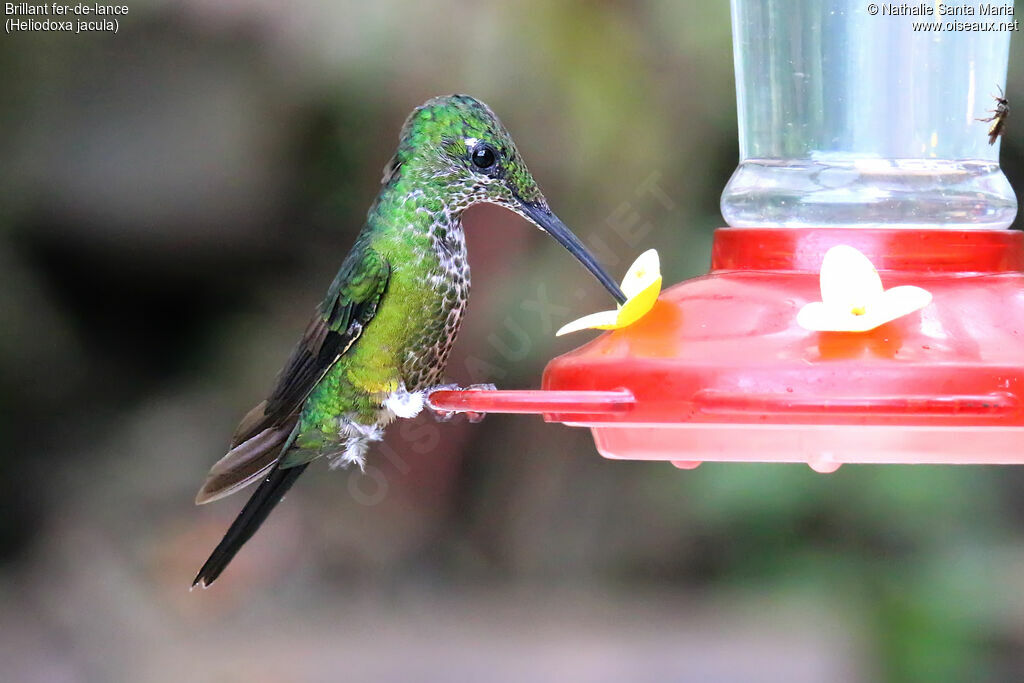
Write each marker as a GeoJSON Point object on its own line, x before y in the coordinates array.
{"type": "Point", "coordinates": [550, 223]}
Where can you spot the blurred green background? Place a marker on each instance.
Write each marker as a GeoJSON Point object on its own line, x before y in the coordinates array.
{"type": "Point", "coordinates": [174, 200]}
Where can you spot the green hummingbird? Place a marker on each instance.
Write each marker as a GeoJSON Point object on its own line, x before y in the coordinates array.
{"type": "Point", "coordinates": [380, 341]}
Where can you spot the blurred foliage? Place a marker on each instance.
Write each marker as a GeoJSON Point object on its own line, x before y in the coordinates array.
{"type": "Point", "coordinates": [174, 200]}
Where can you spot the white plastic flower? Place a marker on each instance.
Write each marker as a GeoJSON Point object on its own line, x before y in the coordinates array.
{"type": "Point", "coordinates": [642, 285]}
{"type": "Point", "coordinates": [852, 296]}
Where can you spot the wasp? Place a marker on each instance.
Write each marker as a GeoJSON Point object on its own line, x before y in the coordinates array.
{"type": "Point", "coordinates": [998, 118]}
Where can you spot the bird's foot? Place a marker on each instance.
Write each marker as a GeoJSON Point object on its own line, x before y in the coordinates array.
{"type": "Point", "coordinates": [446, 415]}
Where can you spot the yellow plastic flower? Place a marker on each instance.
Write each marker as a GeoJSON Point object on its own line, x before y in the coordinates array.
{"type": "Point", "coordinates": [852, 296]}
{"type": "Point", "coordinates": [642, 285]}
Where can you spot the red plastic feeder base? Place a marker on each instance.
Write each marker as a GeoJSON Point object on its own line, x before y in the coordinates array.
{"type": "Point", "coordinates": [719, 369]}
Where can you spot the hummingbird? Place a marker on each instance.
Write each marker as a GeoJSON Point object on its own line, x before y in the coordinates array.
{"type": "Point", "coordinates": [380, 340]}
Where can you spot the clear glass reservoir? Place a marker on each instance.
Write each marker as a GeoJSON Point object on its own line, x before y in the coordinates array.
{"type": "Point", "coordinates": [848, 118]}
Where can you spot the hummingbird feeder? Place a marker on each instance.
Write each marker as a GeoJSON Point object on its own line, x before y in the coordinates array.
{"type": "Point", "coordinates": [856, 130]}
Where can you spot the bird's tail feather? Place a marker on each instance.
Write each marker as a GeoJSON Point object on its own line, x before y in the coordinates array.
{"type": "Point", "coordinates": [268, 494]}
{"type": "Point", "coordinates": [246, 462]}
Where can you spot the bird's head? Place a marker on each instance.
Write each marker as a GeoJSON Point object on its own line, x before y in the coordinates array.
{"type": "Point", "coordinates": [458, 144]}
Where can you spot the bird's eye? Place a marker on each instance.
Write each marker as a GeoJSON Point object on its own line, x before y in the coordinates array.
{"type": "Point", "coordinates": [484, 157]}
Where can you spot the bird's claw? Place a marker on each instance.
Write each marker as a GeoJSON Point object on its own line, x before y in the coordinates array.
{"type": "Point", "coordinates": [446, 415]}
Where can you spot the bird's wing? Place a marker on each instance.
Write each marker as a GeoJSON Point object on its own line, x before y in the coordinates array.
{"type": "Point", "coordinates": [266, 431]}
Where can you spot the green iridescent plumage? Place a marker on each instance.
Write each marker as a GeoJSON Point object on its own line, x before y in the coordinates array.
{"type": "Point", "coordinates": [382, 336]}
